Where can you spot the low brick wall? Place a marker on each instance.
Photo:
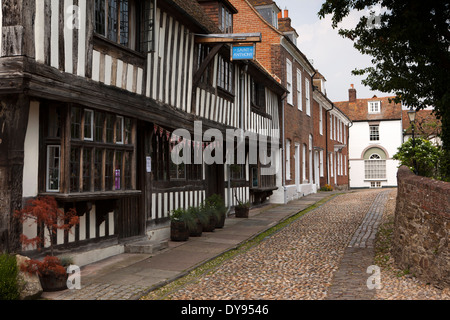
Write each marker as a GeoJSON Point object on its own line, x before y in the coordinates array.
{"type": "Point", "coordinates": [422, 227]}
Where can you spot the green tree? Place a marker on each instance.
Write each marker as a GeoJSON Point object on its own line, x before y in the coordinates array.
{"type": "Point", "coordinates": [409, 44]}
{"type": "Point", "coordinates": [427, 157]}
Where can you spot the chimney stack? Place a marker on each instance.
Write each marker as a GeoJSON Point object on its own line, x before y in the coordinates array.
{"type": "Point", "coordinates": [352, 94]}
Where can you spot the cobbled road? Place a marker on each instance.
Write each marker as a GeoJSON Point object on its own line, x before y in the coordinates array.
{"type": "Point", "coordinates": [298, 262]}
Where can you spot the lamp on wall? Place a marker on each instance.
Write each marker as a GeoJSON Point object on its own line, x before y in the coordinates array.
{"type": "Point", "coordinates": [412, 119]}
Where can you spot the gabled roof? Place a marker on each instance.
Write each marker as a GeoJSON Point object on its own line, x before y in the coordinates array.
{"type": "Point", "coordinates": [359, 110]}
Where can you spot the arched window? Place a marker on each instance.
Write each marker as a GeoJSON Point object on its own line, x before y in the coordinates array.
{"type": "Point", "coordinates": [375, 164]}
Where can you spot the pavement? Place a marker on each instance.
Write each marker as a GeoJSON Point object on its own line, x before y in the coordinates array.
{"type": "Point", "coordinates": [129, 276]}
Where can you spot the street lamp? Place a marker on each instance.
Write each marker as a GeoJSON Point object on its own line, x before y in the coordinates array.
{"type": "Point", "coordinates": [412, 119]}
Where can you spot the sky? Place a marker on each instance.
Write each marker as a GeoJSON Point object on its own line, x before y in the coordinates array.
{"type": "Point", "coordinates": [334, 56]}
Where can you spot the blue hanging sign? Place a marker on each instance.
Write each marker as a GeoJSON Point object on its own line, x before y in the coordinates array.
{"type": "Point", "coordinates": [243, 52]}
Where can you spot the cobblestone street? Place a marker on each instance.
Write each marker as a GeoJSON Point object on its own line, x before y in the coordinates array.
{"type": "Point", "coordinates": [323, 255]}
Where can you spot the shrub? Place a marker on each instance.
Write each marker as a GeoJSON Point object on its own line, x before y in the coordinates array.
{"type": "Point", "coordinates": [426, 155]}
{"type": "Point", "coordinates": [9, 288]}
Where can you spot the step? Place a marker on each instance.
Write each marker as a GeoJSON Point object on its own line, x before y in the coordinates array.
{"type": "Point", "coordinates": [146, 246]}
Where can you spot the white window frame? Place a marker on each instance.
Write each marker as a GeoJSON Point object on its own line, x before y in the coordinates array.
{"type": "Point", "coordinates": [304, 163]}
{"type": "Point", "coordinates": [299, 91]}
{"type": "Point", "coordinates": [47, 183]}
{"type": "Point", "coordinates": [374, 106]}
{"type": "Point", "coordinates": [331, 127]}
{"type": "Point", "coordinates": [307, 98]}
{"type": "Point", "coordinates": [331, 165]}
{"type": "Point", "coordinates": [91, 112]}
{"type": "Point", "coordinates": [120, 119]}
{"type": "Point", "coordinates": [320, 120]}
{"type": "Point", "coordinates": [321, 163]}
{"type": "Point", "coordinates": [375, 168]}
{"type": "Point", "coordinates": [374, 133]}
{"type": "Point", "coordinates": [288, 159]}
{"type": "Point", "coordinates": [289, 81]}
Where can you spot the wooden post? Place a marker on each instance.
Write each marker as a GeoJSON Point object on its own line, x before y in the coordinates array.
{"type": "Point", "coordinates": [13, 124]}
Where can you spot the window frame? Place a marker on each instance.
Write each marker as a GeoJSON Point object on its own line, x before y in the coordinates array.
{"type": "Point", "coordinates": [374, 107]}
{"type": "Point", "coordinates": [141, 17]}
{"type": "Point", "coordinates": [47, 165]}
{"type": "Point", "coordinates": [307, 97]}
{"type": "Point", "coordinates": [374, 135]}
{"type": "Point", "coordinates": [299, 90]}
{"type": "Point", "coordinates": [290, 96]}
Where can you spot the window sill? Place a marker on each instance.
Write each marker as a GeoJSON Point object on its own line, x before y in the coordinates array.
{"type": "Point", "coordinates": [86, 196]}
{"type": "Point", "coordinates": [118, 51]}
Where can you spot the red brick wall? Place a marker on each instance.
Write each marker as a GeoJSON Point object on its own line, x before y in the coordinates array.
{"type": "Point", "coordinates": [421, 228]}
{"type": "Point", "coordinates": [247, 20]}
{"type": "Point", "coordinates": [212, 10]}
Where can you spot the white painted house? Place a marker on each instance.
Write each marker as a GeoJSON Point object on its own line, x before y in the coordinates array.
{"type": "Point", "coordinates": [375, 136]}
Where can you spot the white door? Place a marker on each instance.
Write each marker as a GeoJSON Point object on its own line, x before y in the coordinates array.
{"type": "Point", "coordinates": [316, 169]}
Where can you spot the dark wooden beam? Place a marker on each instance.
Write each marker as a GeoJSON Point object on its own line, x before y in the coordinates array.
{"type": "Point", "coordinates": [198, 74]}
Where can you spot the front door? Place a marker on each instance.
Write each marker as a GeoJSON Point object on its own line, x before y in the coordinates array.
{"type": "Point", "coordinates": [215, 181]}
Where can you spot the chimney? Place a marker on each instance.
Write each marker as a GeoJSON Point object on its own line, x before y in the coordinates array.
{"type": "Point", "coordinates": [352, 94]}
{"type": "Point", "coordinates": [286, 13]}
{"type": "Point", "coordinates": [280, 15]}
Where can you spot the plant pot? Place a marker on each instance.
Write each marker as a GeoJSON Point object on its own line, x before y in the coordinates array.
{"type": "Point", "coordinates": [179, 231]}
{"type": "Point", "coordinates": [196, 230]}
{"type": "Point", "coordinates": [53, 282]}
{"type": "Point", "coordinates": [211, 225]}
{"type": "Point", "coordinates": [221, 221]}
{"type": "Point", "coordinates": [241, 212]}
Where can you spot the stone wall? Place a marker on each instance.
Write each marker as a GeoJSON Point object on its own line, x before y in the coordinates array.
{"type": "Point", "coordinates": [422, 227]}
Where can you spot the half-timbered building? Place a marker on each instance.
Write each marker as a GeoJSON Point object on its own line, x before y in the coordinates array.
{"type": "Point", "coordinates": [91, 93]}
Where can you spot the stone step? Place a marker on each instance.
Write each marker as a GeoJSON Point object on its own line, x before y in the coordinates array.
{"type": "Point", "coordinates": [146, 246]}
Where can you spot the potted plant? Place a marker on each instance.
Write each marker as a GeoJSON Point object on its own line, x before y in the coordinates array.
{"type": "Point", "coordinates": [44, 211]}
{"type": "Point", "coordinates": [220, 211]}
{"type": "Point", "coordinates": [200, 218]}
{"type": "Point", "coordinates": [180, 220]}
{"type": "Point", "coordinates": [211, 214]}
{"type": "Point", "coordinates": [242, 209]}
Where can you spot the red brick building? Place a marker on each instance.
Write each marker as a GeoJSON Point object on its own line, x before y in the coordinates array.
{"type": "Point", "coordinates": [279, 54]}
{"type": "Point", "coordinates": [331, 136]}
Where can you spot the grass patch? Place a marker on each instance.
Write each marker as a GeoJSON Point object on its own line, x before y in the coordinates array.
{"type": "Point", "coordinates": [211, 265]}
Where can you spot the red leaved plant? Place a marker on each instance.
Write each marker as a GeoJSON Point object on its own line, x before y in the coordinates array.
{"type": "Point", "coordinates": [44, 211]}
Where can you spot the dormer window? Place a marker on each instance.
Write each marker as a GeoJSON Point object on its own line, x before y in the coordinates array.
{"type": "Point", "coordinates": [374, 107]}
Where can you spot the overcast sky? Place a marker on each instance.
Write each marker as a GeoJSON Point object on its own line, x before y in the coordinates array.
{"type": "Point", "coordinates": [334, 56]}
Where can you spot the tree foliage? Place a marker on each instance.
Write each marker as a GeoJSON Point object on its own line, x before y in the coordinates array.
{"type": "Point", "coordinates": [426, 156]}
{"type": "Point", "coordinates": [44, 211]}
{"type": "Point", "coordinates": [409, 44]}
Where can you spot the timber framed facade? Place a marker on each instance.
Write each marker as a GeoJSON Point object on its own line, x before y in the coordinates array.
{"type": "Point", "coordinates": [88, 107]}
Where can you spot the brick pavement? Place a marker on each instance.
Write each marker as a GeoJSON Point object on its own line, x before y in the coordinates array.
{"type": "Point", "coordinates": [350, 280]}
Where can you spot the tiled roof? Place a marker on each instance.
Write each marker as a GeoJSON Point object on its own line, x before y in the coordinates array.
{"type": "Point", "coordinates": [359, 110]}
{"type": "Point", "coordinates": [426, 123]}
{"type": "Point", "coordinates": [194, 10]}
{"type": "Point", "coordinates": [256, 3]}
